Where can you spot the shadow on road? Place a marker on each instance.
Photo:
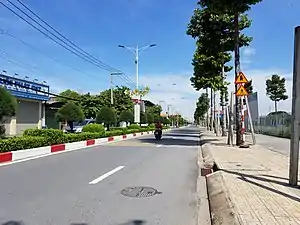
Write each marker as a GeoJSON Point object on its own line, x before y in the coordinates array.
{"type": "Point", "coordinates": [13, 223]}
{"type": "Point", "coordinates": [166, 140]}
{"type": "Point", "coordinates": [183, 135]}
{"type": "Point", "coordinates": [134, 222]}
{"type": "Point", "coordinates": [186, 131]}
{"type": "Point", "coordinates": [22, 223]}
{"type": "Point", "coordinates": [131, 222]}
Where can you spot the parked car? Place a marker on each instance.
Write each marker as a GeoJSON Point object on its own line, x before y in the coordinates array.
{"type": "Point", "coordinates": [77, 126]}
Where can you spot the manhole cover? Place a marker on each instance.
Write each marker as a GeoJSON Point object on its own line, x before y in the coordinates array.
{"type": "Point", "coordinates": [139, 192]}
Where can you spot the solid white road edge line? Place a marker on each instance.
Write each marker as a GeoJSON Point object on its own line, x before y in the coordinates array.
{"type": "Point", "coordinates": [97, 180]}
{"type": "Point", "coordinates": [158, 146]}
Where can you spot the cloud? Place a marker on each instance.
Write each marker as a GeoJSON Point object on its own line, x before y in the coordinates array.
{"type": "Point", "coordinates": [173, 89]}
{"type": "Point", "coordinates": [183, 96]}
{"type": "Point", "coordinates": [259, 77]}
{"type": "Point", "coordinates": [246, 55]}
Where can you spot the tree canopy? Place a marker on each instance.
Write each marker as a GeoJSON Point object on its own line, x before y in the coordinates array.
{"type": "Point", "coordinates": [126, 116]}
{"type": "Point", "coordinates": [91, 104]}
{"type": "Point", "coordinates": [249, 87]}
{"type": "Point", "coordinates": [70, 112]}
{"type": "Point", "coordinates": [275, 89]}
{"type": "Point", "coordinates": [107, 116]}
{"type": "Point", "coordinates": [202, 107]}
{"type": "Point", "coordinates": [8, 107]}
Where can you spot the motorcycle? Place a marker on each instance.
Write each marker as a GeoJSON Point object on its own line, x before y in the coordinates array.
{"type": "Point", "coordinates": [158, 134]}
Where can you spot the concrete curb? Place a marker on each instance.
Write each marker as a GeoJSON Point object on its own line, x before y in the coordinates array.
{"type": "Point", "coordinates": [222, 211]}
{"type": "Point", "coordinates": [221, 207]}
{"type": "Point", "coordinates": [203, 211]}
{"type": "Point", "coordinates": [47, 150]}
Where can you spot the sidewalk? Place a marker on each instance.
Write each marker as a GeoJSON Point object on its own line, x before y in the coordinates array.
{"type": "Point", "coordinates": [256, 180]}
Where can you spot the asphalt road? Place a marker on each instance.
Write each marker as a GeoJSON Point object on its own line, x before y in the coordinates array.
{"type": "Point", "coordinates": [84, 187]}
{"type": "Point", "coordinates": [280, 145]}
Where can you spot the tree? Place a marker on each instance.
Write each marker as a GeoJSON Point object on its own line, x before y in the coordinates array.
{"type": "Point", "coordinates": [71, 113]}
{"type": "Point", "coordinates": [90, 104]}
{"type": "Point", "coordinates": [233, 8]}
{"type": "Point", "coordinates": [155, 110]}
{"type": "Point", "coordinates": [122, 100]}
{"type": "Point", "coordinates": [219, 27]}
{"type": "Point", "coordinates": [107, 116]}
{"type": "Point", "coordinates": [150, 118]}
{"type": "Point", "coordinates": [8, 107]}
{"type": "Point", "coordinates": [214, 38]}
{"type": "Point", "coordinates": [249, 87]}
{"type": "Point", "coordinates": [126, 116]}
{"type": "Point", "coordinates": [143, 118]}
{"type": "Point", "coordinates": [275, 88]}
{"type": "Point", "coordinates": [68, 95]}
{"type": "Point", "coordinates": [165, 120]}
{"type": "Point", "coordinates": [202, 106]}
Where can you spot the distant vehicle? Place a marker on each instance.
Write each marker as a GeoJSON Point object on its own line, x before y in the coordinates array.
{"type": "Point", "coordinates": [77, 126]}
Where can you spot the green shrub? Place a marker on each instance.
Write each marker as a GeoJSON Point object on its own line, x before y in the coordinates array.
{"type": "Point", "coordinates": [94, 128]}
{"type": "Point", "coordinates": [114, 133]}
{"type": "Point", "coordinates": [53, 136]}
{"type": "Point", "coordinates": [34, 138]}
{"type": "Point", "coordinates": [152, 125]}
{"type": "Point", "coordinates": [134, 126]}
{"type": "Point", "coordinates": [131, 131]}
{"type": "Point", "coordinates": [82, 136]}
{"type": "Point", "coordinates": [20, 143]}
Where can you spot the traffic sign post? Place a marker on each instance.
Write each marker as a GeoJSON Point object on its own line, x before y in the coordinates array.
{"type": "Point", "coordinates": [241, 79]}
{"type": "Point", "coordinates": [241, 92]}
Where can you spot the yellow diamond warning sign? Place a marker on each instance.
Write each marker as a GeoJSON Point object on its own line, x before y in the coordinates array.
{"type": "Point", "coordinates": [241, 91]}
{"type": "Point", "coordinates": [241, 79]}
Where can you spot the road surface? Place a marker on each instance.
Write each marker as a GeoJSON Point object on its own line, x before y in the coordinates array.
{"type": "Point", "coordinates": [84, 187]}
{"type": "Point", "coordinates": [280, 145]}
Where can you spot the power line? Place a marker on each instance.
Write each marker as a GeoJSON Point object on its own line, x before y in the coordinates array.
{"type": "Point", "coordinates": [41, 52]}
{"type": "Point", "coordinates": [65, 38]}
{"type": "Point", "coordinates": [4, 55]}
{"type": "Point", "coordinates": [86, 56]}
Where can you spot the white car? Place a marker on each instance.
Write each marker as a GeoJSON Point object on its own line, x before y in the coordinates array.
{"type": "Point", "coordinates": [77, 126]}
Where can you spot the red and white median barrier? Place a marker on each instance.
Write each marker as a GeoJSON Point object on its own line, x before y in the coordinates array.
{"type": "Point", "coordinates": [34, 152]}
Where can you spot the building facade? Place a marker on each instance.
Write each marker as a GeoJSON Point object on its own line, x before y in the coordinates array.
{"type": "Point", "coordinates": [31, 98]}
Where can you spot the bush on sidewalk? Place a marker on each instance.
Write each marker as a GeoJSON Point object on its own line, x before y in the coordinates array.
{"type": "Point", "coordinates": [94, 128]}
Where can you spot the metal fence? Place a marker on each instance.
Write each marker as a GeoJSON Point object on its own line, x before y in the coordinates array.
{"type": "Point", "coordinates": [275, 124]}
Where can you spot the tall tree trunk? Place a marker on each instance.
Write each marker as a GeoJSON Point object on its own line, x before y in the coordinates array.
{"type": "Point", "coordinates": [215, 122]}
{"type": "Point", "coordinates": [211, 111]}
{"type": "Point", "coordinates": [207, 114]}
{"type": "Point", "coordinates": [275, 106]}
{"type": "Point", "coordinates": [223, 102]}
{"type": "Point", "coordinates": [239, 136]}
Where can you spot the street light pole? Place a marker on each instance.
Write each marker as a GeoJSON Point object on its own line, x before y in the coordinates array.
{"type": "Point", "coordinates": [136, 51]}
{"type": "Point", "coordinates": [137, 66]}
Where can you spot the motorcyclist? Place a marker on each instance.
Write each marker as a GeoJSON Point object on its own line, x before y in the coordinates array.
{"type": "Point", "coordinates": [158, 127]}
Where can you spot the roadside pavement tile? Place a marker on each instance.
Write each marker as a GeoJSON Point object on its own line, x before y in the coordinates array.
{"type": "Point", "coordinates": [257, 182]}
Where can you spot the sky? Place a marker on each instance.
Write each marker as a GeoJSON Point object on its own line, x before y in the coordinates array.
{"type": "Point", "coordinates": [99, 27]}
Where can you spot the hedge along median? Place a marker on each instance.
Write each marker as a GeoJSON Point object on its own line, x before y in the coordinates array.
{"type": "Point", "coordinates": [34, 138]}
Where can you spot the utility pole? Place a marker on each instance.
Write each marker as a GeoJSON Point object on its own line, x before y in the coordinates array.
{"type": "Point", "coordinates": [111, 86]}
{"type": "Point", "coordinates": [294, 143]}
